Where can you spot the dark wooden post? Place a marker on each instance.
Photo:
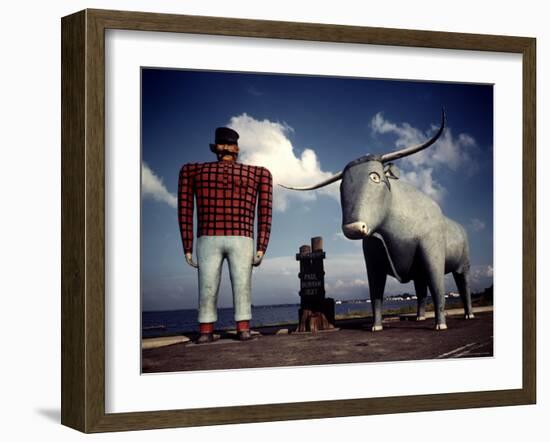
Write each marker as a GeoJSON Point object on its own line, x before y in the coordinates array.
{"type": "Point", "coordinates": [316, 311]}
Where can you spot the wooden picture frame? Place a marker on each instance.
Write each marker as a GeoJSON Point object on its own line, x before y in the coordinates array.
{"type": "Point", "coordinates": [83, 220]}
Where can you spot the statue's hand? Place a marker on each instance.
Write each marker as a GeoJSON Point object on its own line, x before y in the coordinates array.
{"type": "Point", "coordinates": [258, 258]}
{"type": "Point", "coordinates": [189, 259]}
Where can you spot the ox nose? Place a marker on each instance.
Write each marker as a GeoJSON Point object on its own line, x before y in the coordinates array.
{"type": "Point", "coordinates": [356, 230]}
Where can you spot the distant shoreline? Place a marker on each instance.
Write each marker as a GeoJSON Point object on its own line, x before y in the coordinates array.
{"type": "Point", "coordinates": [482, 298]}
{"type": "Point", "coordinates": [453, 310]}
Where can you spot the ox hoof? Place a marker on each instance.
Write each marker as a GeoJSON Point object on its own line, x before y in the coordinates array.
{"type": "Point", "coordinates": [470, 316]}
{"type": "Point", "coordinates": [376, 328]}
{"type": "Point", "coordinates": [441, 327]}
{"type": "Point", "coordinates": [421, 318]}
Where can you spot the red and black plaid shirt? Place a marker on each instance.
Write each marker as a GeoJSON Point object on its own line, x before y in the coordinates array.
{"type": "Point", "coordinates": [226, 194]}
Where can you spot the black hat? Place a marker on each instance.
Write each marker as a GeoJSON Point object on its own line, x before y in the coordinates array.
{"type": "Point", "coordinates": [225, 135]}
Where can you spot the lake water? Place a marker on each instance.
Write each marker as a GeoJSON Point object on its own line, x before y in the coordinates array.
{"type": "Point", "coordinates": [180, 321]}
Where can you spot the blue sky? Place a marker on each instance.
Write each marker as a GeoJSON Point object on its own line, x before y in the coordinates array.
{"type": "Point", "coordinates": [304, 129]}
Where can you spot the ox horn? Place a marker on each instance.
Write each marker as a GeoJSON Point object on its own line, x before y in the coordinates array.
{"type": "Point", "coordinates": [413, 149]}
{"type": "Point", "coordinates": [383, 158]}
{"type": "Point", "coordinates": [332, 179]}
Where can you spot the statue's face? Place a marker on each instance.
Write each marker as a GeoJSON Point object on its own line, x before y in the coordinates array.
{"type": "Point", "coordinates": [227, 152]}
{"type": "Point", "coordinates": [365, 196]}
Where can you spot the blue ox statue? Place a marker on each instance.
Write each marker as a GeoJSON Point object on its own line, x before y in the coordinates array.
{"type": "Point", "coordinates": [404, 232]}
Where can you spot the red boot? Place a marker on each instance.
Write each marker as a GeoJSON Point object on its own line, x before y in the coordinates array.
{"type": "Point", "coordinates": [206, 333]}
{"type": "Point", "coordinates": [243, 330]}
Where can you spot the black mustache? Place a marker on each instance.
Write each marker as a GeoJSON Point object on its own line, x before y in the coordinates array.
{"type": "Point", "coordinates": [226, 152]}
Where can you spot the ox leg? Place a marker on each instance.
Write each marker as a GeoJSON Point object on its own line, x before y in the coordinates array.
{"type": "Point", "coordinates": [421, 289]}
{"type": "Point", "coordinates": [377, 283]}
{"type": "Point", "coordinates": [463, 286]}
{"type": "Point", "coordinates": [437, 290]}
{"type": "Point", "coordinates": [376, 287]}
{"type": "Point", "coordinates": [434, 259]}
{"type": "Point", "coordinates": [376, 262]}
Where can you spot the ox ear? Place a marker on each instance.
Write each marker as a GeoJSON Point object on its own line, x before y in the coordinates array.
{"type": "Point", "coordinates": [391, 171]}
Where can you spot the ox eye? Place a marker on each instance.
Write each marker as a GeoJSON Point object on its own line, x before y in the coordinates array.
{"type": "Point", "coordinates": [375, 177]}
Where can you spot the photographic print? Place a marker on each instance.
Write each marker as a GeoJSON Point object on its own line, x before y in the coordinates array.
{"type": "Point", "coordinates": [295, 220]}
{"type": "Point", "coordinates": [287, 201]}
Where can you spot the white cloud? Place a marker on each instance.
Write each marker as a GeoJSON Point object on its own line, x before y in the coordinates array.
{"type": "Point", "coordinates": [345, 278]}
{"type": "Point", "coordinates": [340, 285]}
{"type": "Point", "coordinates": [266, 143]}
{"type": "Point", "coordinates": [279, 266]}
{"type": "Point", "coordinates": [455, 153]}
{"type": "Point", "coordinates": [423, 180]}
{"type": "Point", "coordinates": [153, 187]}
{"type": "Point", "coordinates": [481, 274]}
{"type": "Point", "coordinates": [407, 135]}
{"type": "Point", "coordinates": [476, 224]}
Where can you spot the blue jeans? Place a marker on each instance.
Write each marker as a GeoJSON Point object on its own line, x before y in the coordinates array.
{"type": "Point", "coordinates": [239, 252]}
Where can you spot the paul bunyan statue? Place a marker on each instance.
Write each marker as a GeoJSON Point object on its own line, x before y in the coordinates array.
{"type": "Point", "coordinates": [226, 193]}
{"type": "Point", "coordinates": [404, 232]}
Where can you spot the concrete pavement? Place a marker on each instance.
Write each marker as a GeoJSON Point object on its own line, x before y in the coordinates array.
{"type": "Point", "coordinates": [401, 340]}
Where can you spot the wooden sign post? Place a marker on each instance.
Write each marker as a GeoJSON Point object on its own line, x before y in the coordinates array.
{"type": "Point", "coordinates": [316, 311]}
